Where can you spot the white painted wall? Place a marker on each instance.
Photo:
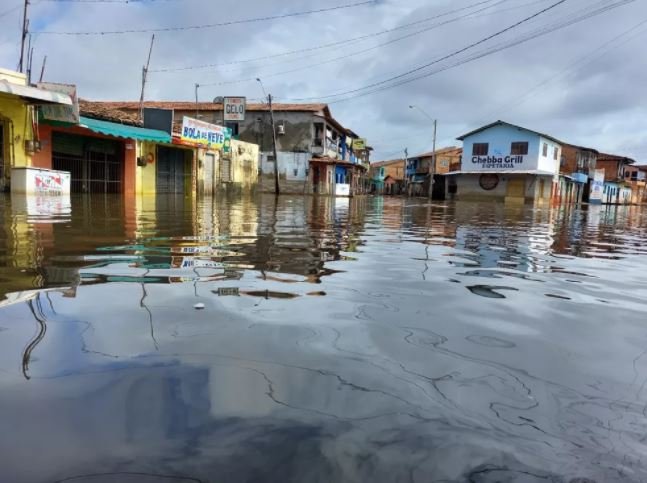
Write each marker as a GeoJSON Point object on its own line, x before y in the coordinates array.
{"type": "Point", "coordinates": [292, 165]}
{"type": "Point", "coordinates": [500, 139]}
{"type": "Point", "coordinates": [469, 188]}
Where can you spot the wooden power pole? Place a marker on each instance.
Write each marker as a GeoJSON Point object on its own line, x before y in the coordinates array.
{"type": "Point", "coordinates": [276, 158]}
{"type": "Point", "coordinates": [23, 39]}
{"type": "Point", "coordinates": [144, 78]}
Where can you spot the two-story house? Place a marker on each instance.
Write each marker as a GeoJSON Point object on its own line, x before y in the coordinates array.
{"type": "Point", "coordinates": [507, 162]}
{"type": "Point", "coordinates": [636, 177]}
{"type": "Point", "coordinates": [388, 177]}
{"type": "Point", "coordinates": [314, 150]}
{"type": "Point", "coordinates": [419, 174]}
{"type": "Point", "coordinates": [577, 170]}
{"type": "Point", "coordinates": [616, 190]}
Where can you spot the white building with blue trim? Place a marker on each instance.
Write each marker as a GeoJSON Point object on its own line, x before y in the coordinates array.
{"type": "Point", "coordinates": [507, 162]}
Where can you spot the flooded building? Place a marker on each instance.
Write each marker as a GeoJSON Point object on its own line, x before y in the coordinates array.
{"type": "Point", "coordinates": [502, 161]}
{"type": "Point", "coordinates": [388, 177]}
{"type": "Point", "coordinates": [617, 190]}
{"type": "Point", "coordinates": [636, 176]}
{"type": "Point", "coordinates": [419, 169]}
{"type": "Point", "coordinates": [316, 153]}
{"type": "Point", "coordinates": [577, 171]}
{"type": "Point", "coordinates": [19, 133]}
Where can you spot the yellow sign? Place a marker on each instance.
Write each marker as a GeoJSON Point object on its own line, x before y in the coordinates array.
{"type": "Point", "coordinates": [359, 144]}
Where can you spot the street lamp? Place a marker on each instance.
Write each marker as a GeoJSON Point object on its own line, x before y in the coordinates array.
{"type": "Point", "coordinates": [432, 169]}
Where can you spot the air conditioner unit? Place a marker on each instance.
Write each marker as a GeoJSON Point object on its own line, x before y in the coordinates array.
{"type": "Point", "coordinates": [280, 129]}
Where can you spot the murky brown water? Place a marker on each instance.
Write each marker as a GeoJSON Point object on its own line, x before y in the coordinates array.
{"type": "Point", "coordinates": [364, 340]}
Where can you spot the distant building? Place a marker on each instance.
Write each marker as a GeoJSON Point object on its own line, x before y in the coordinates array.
{"type": "Point", "coordinates": [577, 171]}
{"type": "Point", "coordinates": [418, 169]}
{"type": "Point", "coordinates": [506, 162]}
{"type": "Point", "coordinates": [617, 190]}
{"type": "Point", "coordinates": [388, 177]}
{"type": "Point", "coordinates": [636, 176]}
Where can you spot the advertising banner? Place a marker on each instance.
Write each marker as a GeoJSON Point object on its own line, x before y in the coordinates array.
{"type": "Point", "coordinates": [205, 135]}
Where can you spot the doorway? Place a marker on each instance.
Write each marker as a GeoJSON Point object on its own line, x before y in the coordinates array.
{"type": "Point", "coordinates": [516, 189]}
{"type": "Point", "coordinates": [171, 170]}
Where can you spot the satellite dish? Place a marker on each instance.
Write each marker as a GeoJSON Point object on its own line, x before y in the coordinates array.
{"type": "Point", "coordinates": [218, 100]}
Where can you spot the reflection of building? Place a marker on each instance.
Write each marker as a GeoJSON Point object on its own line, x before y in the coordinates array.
{"type": "Point", "coordinates": [506, 162]}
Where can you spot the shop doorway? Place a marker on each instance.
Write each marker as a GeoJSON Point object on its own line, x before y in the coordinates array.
{"type": "Point", "coordinates": [96, 165]}
{"type": "Point", "coordinates": [171, 170]}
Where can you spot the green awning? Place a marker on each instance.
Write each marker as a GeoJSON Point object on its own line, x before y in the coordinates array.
{"type": "Point", "coordinates": [124, 131]}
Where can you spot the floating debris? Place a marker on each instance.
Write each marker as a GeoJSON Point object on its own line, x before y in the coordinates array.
{"type": "Point", "coordinates": [199, 306]}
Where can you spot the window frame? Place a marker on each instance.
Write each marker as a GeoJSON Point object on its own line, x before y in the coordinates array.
{"type": "Point", "coordinates": [476, 152]}
{"type": "Point", "coordinates": [516, 144]}
{"type": "Point", "coordinates": [544, 150]}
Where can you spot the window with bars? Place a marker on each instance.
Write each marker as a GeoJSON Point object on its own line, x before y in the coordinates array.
{"type": "Point", "coordinates": [519, 148]}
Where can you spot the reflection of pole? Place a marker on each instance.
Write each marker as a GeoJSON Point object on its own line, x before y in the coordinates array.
{"type": "Point", "coordinates": [276, 158]}
{"type": "Point", "coordinates": [42, 329]}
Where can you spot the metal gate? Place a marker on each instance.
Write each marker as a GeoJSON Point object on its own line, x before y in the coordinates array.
{"type": "Point", "coordinates": [95, 165]}
{"type": "Point", "coordinates": [171, 170]}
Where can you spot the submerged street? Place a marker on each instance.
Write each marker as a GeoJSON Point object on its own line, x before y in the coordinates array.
{"type": "Point", "coordinates": [321, 339]}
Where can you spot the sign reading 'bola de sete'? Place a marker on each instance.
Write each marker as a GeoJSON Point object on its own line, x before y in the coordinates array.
{"type": "Point", "coordinates": [498, 162]}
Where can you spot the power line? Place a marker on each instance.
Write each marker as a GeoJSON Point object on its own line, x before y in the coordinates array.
{"type": "Point", "coordinates": [448, 56]}
{"type": "Point", "coordinates": [575, 63]}
{"type": "Point", "coordinates": [358, 52]}
{"type": "Point", "coordinates": [325, 46]}
{"type": "Point", "coordinates": [213, 25]}
{"type": "Point", "coordinates": [499, 47]}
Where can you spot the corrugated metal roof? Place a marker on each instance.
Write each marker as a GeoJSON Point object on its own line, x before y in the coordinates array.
{"type": "Point", "coordinates": [501, 123]}
{"type": "Point", "coordinates": [34, 94]}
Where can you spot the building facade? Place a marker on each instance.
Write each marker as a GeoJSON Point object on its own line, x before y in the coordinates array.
{"type": "Point", "coordinates": [315, 152]}
{"type": "Point", "coordinates": [420, 167]}
{"type": "Point", "coordinates": [388, 177]}
{"type": "Point", "coordinates": [19, 121]}
{"type": "Point", "coordinates": [617, 189]}
{"type": "Point", "coordinates": [506, 162]}
{"type": "Point", "coordinates": [577, 171]}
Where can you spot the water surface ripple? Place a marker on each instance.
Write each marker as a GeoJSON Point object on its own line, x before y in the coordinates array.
{"type": "Point", "coordinates": [250, 339]}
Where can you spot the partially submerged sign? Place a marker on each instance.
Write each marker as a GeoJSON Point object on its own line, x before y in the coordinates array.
{"type": "Point", "coordinates": [597, 187]}
{"type": "Point", "coordinates": [234, 108]}
{"type": "Point", "coordinates": [205, 135]}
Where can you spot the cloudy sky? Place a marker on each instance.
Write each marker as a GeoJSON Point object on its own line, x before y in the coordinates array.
{"type": "Point", "coordinates": [577, 71]}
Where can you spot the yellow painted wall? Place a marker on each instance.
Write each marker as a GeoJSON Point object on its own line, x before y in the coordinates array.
{"type": "Point", "coordinates": [146, 175]}
{"type": "Point", "coordinates": [14, 116]}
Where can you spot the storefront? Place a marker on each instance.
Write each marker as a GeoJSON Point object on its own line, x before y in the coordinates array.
{"type": "Point", "coordinates": [101, 156]}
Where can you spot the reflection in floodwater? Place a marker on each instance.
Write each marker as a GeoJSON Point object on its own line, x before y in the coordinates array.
{"type": "Point", "coordinates": [364, 340]}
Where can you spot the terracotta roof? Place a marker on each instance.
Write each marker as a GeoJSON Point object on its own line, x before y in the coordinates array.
{"type": "Point", "coordinates": [449, 150]}
{"type": "Point", "coordinates": [208, 106]}
{"type": "Point", "coordinates": [614, 157]}
{"type": "Point", "coordinates": [386, 163]}
{"type": "Point", "coordinates": [502, 123]}
{"type": "Point", "coordinates": [107, 113]}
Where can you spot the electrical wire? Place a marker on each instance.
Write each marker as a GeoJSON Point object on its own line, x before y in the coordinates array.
{"type": "Point", "coordinates": [448, 56]}
{"type": "Point", "coordinates": [498, 48]}
{"type": "Point", "coordinates": [323, 46]}
{"type": "Point", "coordinates": [213, 25]}
{"type": "Point", "coordinates": [355, 53]}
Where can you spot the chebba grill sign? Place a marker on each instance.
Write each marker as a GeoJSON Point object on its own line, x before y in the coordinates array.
{"type": "Point", "coordinates": [497, 162]}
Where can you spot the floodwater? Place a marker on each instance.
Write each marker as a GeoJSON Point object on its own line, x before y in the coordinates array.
{"type": "Point", "coordinates": [321, 340]}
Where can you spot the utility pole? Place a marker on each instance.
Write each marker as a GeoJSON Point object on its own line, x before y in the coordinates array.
{"type": "Point", "coordinates": [276, 158]}
{"type": "Point", "coordinates": [42, 69]}
{"type": "Point", "coordinates": [25, 23]}
{"type": "Point", "coordinates": [197, 86]}
{"type": "Point", "coordinates": [406, 171]}
{"type": "Point", "coordinates": [432, 168]}
{"type": "Point", "coordinates": [144, 76]}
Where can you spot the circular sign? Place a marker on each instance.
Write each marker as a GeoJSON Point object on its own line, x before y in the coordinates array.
{"type": "Point", "coordinates": [489, 181]}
